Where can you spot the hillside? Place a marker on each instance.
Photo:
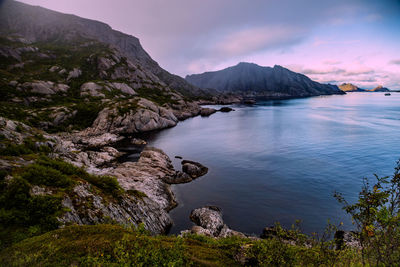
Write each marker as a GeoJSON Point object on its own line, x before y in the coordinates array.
{"type": "Point", "coordinates": [264, 82]}
{"type": "Point", "coordinates": [37, 24]}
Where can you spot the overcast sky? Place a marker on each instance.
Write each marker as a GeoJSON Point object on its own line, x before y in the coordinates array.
{"type": "Point", "coordinates": [336, 41]}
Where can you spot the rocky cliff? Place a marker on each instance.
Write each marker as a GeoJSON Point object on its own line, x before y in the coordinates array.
{"type": "Point", "coordinates": [252, 80]}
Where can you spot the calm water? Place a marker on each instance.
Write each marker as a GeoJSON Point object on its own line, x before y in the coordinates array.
{"type": "Point", "coordinates": [282, 160]}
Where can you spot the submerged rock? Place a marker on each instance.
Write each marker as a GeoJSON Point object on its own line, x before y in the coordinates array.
{"type": "Point", "coordinates": [226, 109]}
{"type": "Point", "coordinates": [178, 178]}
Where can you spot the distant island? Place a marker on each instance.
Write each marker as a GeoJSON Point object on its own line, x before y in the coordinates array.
{"type": "Point", "coordinates": [349, 87]}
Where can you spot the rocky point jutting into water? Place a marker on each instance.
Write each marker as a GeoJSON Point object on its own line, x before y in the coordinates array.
{"type": "Point", "coordinates": [73, 87]}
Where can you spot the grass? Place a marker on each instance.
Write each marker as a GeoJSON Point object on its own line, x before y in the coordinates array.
{"type": "Point", "coordinates": [27, 147]}
{"type": "Point", "coordinates": [113, 245]}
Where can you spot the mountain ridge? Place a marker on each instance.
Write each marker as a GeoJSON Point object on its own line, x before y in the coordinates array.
{"type": "Point", "coordinates": [251, 79]}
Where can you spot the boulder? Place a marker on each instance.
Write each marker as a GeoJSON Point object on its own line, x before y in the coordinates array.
{"type": "Point", "coordinates": [123, 87]}
{"type": "Point", "coordinates": [194, 169]}
{"type": "Point", "coordinates": [39, 87]}
{"type": "Point", "coordinates": [92, 89]}
{"type": "Point", "coordinates": [208, 217]}
{"type": "Point", "coordinates": [75, 73]}
{"type": "Point", "coordinates": [205, 112]}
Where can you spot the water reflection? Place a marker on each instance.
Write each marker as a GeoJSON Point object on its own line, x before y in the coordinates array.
{"type": "Point", "coordinates": [282, 160]}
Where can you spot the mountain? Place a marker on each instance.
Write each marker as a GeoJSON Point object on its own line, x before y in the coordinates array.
{"type": "Point", "coordinates": [349, 87]}
{"type": "Point", "coordinates": [262, 82]}
{"type": "Point", "coordinates": [380, 88]}
{"type": "Point", "coordinates": [37, 24]}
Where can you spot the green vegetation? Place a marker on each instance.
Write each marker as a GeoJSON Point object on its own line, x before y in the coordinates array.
{"type": "Point", "coordinates": [27, 147]}
{"type": "Point", "coordinates": [376, 215]}
{"type": "Point", "coordinates": [156, 95]}
{"type": "Point", "coordinates": [137, 193]}
{"type": "Point", "coordinates": [127, 107]}
{"type": "Point", "coordinates": [23, 214]}
{"type": "Point", "coordinates": [112, 245]}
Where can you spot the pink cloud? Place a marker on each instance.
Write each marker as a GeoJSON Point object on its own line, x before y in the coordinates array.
{"type": "Point", "coordinates": [256, 39]}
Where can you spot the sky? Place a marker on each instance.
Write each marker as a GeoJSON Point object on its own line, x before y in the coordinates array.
{"type": "Point", "coordinates": [331, 41]}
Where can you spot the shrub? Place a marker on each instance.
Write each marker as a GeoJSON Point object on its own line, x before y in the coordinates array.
{"type": "Point", "coordinates": [376, 215]}
{"type": "Point", "coordinates": [44, 175]}
{"type": "Point", "coordinates": [107, 183]}
{"type": "Point", "coordinates": [23, 215]}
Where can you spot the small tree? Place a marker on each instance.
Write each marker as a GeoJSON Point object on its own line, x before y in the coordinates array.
{"type": "Point", "coordinates": [376, 215]}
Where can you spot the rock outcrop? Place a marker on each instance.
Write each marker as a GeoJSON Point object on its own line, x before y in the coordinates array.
{"type": "Point", "coordinates": [141, 115]}
{"type": "Point", "coordinates": [86, 207]}
{"type": "Point", "coordinates": [205, 112]}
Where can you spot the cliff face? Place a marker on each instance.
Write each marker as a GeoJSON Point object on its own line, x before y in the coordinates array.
{"type": "Point", "coordinates": [253, 80]}
{"type": "Point", "coordinates": [37, 24]}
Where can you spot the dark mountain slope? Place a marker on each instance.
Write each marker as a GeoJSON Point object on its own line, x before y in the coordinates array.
{"type": "Point", "coordinates": [253, 80]}
{"type": "Point", "coordinates": [38, 24]}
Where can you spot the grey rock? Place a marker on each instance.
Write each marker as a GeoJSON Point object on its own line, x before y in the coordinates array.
{"type": "Point", "coordinates": [209, 217]}
{"type": "Point", "coordinates": [123, 87]}
{"type": "Point", "coordinates": [147, 175]}
{"type": "Point", "coordinates": [86, 207]}
{"type": "Point", "coordinates": [194, 169]}
{"type": "Point", "coordinates": [92, 89]}
{"type": "Point", "coordinates": [147, 117]}
{"type": "Point", "coordinates": [40, 87]}
{"type": "Point", "coordinates": [13, 83]}
{"type": "Point", "coordinates": [75, 73]}
{"type": "Point", "coordinates": [54, 68]}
